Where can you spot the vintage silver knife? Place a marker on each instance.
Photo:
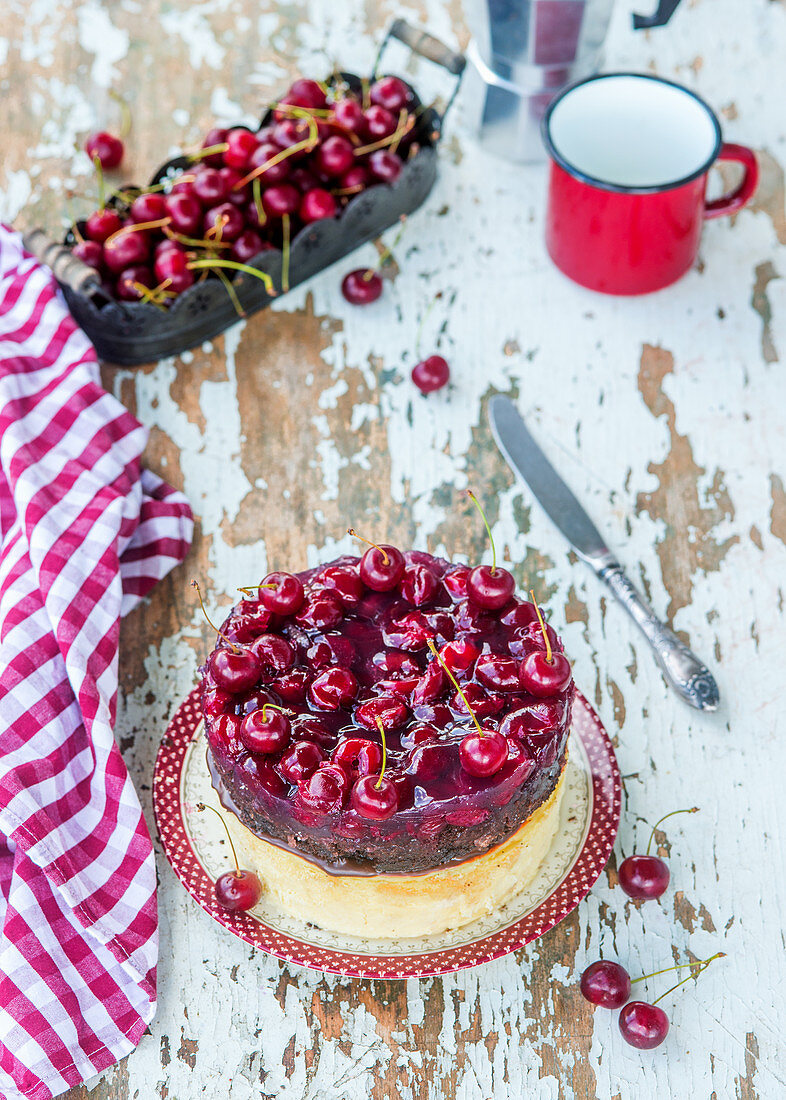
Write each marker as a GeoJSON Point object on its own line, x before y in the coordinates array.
{"type": "Point", "coordinates": [683, 670]}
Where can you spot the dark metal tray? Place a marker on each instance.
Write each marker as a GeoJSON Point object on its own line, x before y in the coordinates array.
{"type": "Point", "coordinates": [130, 333]}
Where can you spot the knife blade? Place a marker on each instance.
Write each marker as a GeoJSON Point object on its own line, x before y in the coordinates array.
{"type": "Point", "coordinates": [683, 670]}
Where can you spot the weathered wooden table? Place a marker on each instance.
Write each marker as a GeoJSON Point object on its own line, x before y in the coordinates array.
{"type": "Point", "coordinates": [666, 415]}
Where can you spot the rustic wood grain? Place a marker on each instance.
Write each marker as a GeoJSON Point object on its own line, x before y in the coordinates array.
{"type": "Point", "coordinates": [666, 415]}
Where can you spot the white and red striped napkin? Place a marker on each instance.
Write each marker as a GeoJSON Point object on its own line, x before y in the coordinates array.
{"type": "Point", "coordinates": [84, 534]}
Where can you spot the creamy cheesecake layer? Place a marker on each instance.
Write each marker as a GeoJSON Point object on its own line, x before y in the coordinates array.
{"type": "Point", "coordinates": [400, 906]}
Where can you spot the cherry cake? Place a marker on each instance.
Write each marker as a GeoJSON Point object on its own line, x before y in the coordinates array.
{"type": "Point", "coordinates": [451, 811]}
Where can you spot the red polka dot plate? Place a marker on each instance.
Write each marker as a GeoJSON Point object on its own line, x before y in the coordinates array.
{"type": "Point", "coordinates": [194, 846]}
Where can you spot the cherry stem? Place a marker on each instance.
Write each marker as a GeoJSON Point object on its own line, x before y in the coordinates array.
{"type": "Point", "coordinates": [381, 729]}
{"type": "Point", "coordinates": [423, 320]}
{"type": "Point", "coordinates": [137, 227]}
{"type": "Point", "coordinates": [154, 296]}
{"type": "Point", "coordinates": [256, 191]}
{"type": "Point", "coordinates": [250, 589]}
{"type": "Point", "coordinates": [306, 143]}
{"type": "Point", "coordinates": [386, 252]}
{"type": "Point", "coordinates": [206, 244]}
{"type": "Point", "coordinates": [273, 706]}
{"type": "Point", "coordinates": [100, 174]}
{"type": "Point", "coordinates": [702, 966]}
{"type": "Point", "coordinates": [216, 262]}
{"type": "Point", "coordinates": [232, 645]}
{"type": "Point", "coordinates": [385, 559]}
{"type": "Point", "coordinates": [476, 502]}
{"type": "Point", "coordinates": [209, 150]}
{"type": "Point", "coordinates": [125, 113]}
{"type": "Point", "coordinates": [692, 810]}
{"type": "Point", "coordinates": [455, 683]}
{"type": "Point", "coordinates": [232, 293]}
{"type": "Point", "coordinates": [678, 966]}
{"type": "Point", "coordinates": [202, 807]}
{"type": "Point", "coordinates": [392, 139]}
{"type": "Point", "coordinates": [285, 251]}
{"type": "Point", "coordinates": [544, 632]}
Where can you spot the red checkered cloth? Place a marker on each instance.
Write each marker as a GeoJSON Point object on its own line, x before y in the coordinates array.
{"type": "Point", "coordinates": [84, 534]}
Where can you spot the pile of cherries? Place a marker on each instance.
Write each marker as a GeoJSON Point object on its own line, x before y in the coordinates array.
{"type": "Point", "coordinates": [607, 984]}
{"type": "Point", "coordinates": [248, 192]}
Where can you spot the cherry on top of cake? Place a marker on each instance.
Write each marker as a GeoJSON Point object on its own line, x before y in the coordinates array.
{"type": "Point", "coordinates": [436, 667]}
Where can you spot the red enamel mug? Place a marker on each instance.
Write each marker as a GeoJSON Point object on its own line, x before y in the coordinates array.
{"type": "Point", "coordinates": [630, 155]}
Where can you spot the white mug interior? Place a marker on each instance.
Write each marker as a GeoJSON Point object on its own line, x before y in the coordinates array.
{"type": "Point", "coordinates": [625, 130]}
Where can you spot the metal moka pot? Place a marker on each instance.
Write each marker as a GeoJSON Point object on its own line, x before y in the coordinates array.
{"type": "Point", "coordinates": [522, 52]}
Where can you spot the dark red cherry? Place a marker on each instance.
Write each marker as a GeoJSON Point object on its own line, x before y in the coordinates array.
{"type": "Point", "coordinates": [606, 983]}
{"type": "Point", "coordinates": [254, 771]}
{"type": "Point", "coordinates": [210, 187]}
{"type": "Point", "coordinates": [223, 222]}
{"type": "Point", "coordinates": [331, 649]}
{"type": "Point", "coordinates": [282, 593]}
{"type": "Point", "coordinates": [290, 132]}
{"type": "Point", "coordinates": [216, 136]}
{"type": "Point", "coordinates": [129, 281]}
{"type": "Point", "coordinates": [348, 114]}
{"type": "Point", "coordinates": [385, 166]}
{"type": "Point", "coordinates": [376, 803]}
{"type": "Point", "coordinates": [248, 246]}
{"type": "Point", "coordinates": [126, 249]}
{"type": "Point", "coordinates": [148, 208]}
{"type": "Point", "coordinates": [540, 677]}
{"type": "Point", "coordinates": [482, 702]}
{"type": "Point", "coordinates": [643, 1025]}
{"type": "Point", "coordinates": [334, 156]}
{"type": "Point", "coordinates": [490, 588]}
{"type": "Point", "coordinates": [102, 223]}
{"type": "Point", "coordinates": [90, 253]}
{"type": "Point", "coordinates": [303, 179]}
{"type": "Point", "coordinates": [300, 761]}
{"type": "Point", "coordinates": [292, 686]}
{"type": "Point", "coordinates": [241, 144]}
{"type": "Point", "coordinates": [235, 670]}
{"type": "Point", "coordinates": [215, 702]}
{"type": "Point", "coordinates": [224, 732]}
{"type": "Point", "coordinates": [325, 790]}
{"type": "Point", "coordinates": [460, 656]}
{"type": "Point", "coordinates": [231, 178]}
{"type": "Point", "coordinates": [321, 610]}
{"type": "Point", "coordinates": [344, 581]}
{"type": "Point", "coordinates": [643, 877]}
{"type": "Point", "coordinates": [390, 92]}
{"type": "Point", "coordinates": [334, 688]}
{"type": "Point", "coordinates": [280, 199]}
{"type": "Point", "coordinates": [385, 708]}
{"type": "Point", "coordinates": [274, 653]}
{"type": "Point", "coordinates": [105, 147]}
{"type": "Point", "coordinates": [431, 374]}
{"type": "Point", "coordinates": [484, 755]}
{"type": "Point", "coordinates": [265, 730]}
{"type": "Point", "coordinates": [186, 213]}
{"type": "Point", "coordinates": [498, 672]}
{"type": "Point", "coordinates": [357, 756]}
{"type": "Point", "coordinates": [455, 581]}
{"type": "Point", "coordinates": [304, 93]}
{"type": "Point", "coordinates": [430, 685]}
{"type": "Point", "coordinates": [317, 204]}
{"type": "Point", "coordinates": [378, 122]}
{"type": "Point", "coordinates": [361, 287]}
{"type": "Point", "coordinates": [172, 264]}
{"type": "Point", "coordinates": [382, 567]}
{"type": "Point", "coordinates": [419, 585]}
{"type": "Point", "coordinates": [238, 890]}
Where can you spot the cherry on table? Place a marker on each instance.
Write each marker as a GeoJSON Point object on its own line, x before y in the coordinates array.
{"type": "Point", "coordinates": [431, 374]}
{"type": "Point", "coordinates": [643, 1025]}
{"type": "Point", "coordinates": [238, 891]}
{"type": "Point", "coordinates": [483, 754]}
{"type": "Point", "coordinates": [361, 287]}
{"type": "Point", "coordinates": [107, 149]}
{"type": "Point", "coordinates": [375, 798]}
{"type": "Point", "coordinates": [606, 983]}
{"type": "Point", "coordinates": [643, 877]}
{"type": "Point", "coordinates": [282, 593]}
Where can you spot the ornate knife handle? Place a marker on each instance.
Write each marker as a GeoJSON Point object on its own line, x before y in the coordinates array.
{"type": "Point", "coordinates": [682, 668]}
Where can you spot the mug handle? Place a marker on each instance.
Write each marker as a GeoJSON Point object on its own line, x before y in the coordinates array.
{"type": "Point", "coordinates": [735, 200]}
